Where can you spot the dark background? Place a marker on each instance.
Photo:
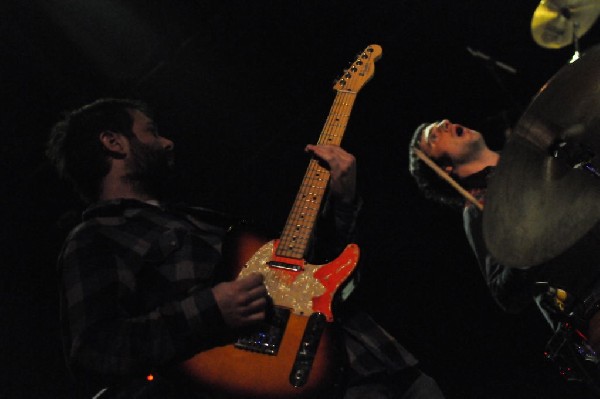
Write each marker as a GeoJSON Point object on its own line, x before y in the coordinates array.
{"type": "Point", "coordinates": [241, 87]}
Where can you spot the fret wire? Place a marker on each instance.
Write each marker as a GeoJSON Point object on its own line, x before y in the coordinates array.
{"type": "Point", "coordinates": [305, 211]}
{"type": "Point", "coordinates": [299, 233]}
{"type": "Point", "coordinates": [345, 99]}
{"type": "Point", "coordinates": [288, 233]}
{"type": "Point", "coordinates": [294, 222]}
{"type": "Point", "coordinates": [291, 245]}
{"type": "Point", "coordinates": [298, 243]}
{"type": "Point", "coordinates": [298, 227]}
{"type": "Point", "coordinates": [316, 190]}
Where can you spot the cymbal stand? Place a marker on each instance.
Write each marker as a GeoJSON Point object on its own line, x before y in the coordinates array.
{"type": "Point", "coordinates": [575, 154]}
{"type": "Point", "coordinates": [576, 54]}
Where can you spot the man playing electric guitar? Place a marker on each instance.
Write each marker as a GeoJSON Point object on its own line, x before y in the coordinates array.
{"type": "Point", "coordinates": [138, 294]}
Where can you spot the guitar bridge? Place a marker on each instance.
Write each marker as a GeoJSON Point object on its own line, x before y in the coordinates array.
{"type": "Point", "coordinates": [266, 337]}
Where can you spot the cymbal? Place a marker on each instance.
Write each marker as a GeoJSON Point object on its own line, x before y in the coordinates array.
{"type": "Point", "coordinates": [538, 206]}
{"type": "Point", "coordinates": [554, 21]}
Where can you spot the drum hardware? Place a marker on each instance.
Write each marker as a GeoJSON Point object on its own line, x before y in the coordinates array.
{"type": "Point", "coordinates": [576, 155]}
{"type": "Point", "coordinates": [559, 23]}
{"type": "Point", "coordinates": [568, 348]}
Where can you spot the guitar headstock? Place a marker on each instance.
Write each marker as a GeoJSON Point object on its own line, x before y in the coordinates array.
{"type": "Point", "coordinates": [361, 70]}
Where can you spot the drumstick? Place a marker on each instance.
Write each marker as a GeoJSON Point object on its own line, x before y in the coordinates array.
{"type": "Point", "coordinates": [447, 177]}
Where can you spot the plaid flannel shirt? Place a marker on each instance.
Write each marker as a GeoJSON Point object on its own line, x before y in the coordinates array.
{"type": "Point", "coordinates": [136, 298]}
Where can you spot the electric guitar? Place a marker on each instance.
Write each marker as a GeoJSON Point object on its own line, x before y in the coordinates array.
{"type": "Point", "coordinates": [293, 353]}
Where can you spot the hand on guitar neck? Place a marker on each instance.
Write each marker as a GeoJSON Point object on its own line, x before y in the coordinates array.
{"type": "Point", "coordinates": [342, 169]}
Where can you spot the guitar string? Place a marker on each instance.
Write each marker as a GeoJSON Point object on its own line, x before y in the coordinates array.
{"type": "Point", "coordinates": [311, 181]}
{"type": "Point", "coordinates": [316, 179]}
{"type": "Point", "coordinates": [303, 198]}
{"type": "Point", "coordinates": [335, 123]}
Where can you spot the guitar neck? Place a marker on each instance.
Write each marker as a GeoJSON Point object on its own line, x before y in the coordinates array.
{"type": "Point", "coordinates": [302, 219]}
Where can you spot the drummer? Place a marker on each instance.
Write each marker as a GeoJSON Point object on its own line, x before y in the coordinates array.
{"type": "Point", "coordinates": [461, 157]}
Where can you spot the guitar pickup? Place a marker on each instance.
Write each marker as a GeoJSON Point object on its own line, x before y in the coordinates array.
{"type": "Point", "coordinates": [266, 337]}
{"type": "Point", "coordinates": [286, 266]}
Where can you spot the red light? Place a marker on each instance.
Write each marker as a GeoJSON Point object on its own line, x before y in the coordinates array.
{"type": "Point", "coordinates": [150, 377]}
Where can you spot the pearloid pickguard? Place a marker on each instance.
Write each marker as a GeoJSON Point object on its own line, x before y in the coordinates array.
{"type": "Point", "coordinates": [290, 289]}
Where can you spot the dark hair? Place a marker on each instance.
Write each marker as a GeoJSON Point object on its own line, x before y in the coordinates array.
{"type": "Point", "coordinates": [74, 146]}
{"type": "Point", "coordinates": [432, 186]}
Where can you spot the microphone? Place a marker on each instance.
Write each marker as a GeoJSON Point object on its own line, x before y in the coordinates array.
{"type": "Point", "coordinates": [487, 58]}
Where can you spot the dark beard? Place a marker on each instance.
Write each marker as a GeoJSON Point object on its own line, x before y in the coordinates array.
{"type": "Point", "coordinates": [151, 170]}
{"type": "Point", "coordinates": [472, 151]}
